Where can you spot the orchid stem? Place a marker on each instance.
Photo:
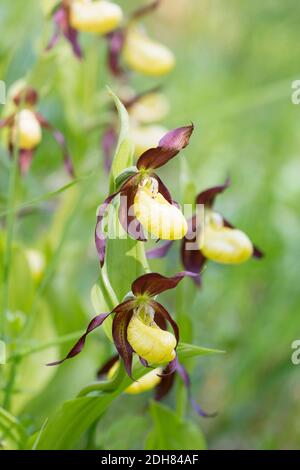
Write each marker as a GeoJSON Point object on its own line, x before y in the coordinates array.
{"type": "Point", "coordinates": [107, 385]}
{"type": "Point", "coordinates": [9, 236]}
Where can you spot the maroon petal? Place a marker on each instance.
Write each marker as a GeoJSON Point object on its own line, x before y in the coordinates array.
{"type": "Point", "coordinates": [187, 382]}
{"type": "Point", "coordinates": [192, 259]}
{"type": "Point", "coordinates": [119, 330]}
{"type": "Point", "coordinates": [128, 103]}
{"type": "Point", "coordinates": [160, 320]}
{"type": "Point", "coordinates": [160, 251]}
{"type": "Point", "coordinates": [27, 95]}
{"type": "Point", "coordinates": [162, 189]}
{"type": "Point", "coordinates": [144, 362]}
{"type": "Point", "coordinates": [171, 368]}
{"type": "Point", "coordinates": [161, 309]}
{"type": "Point", "coordinates": [72, 36]}
{"type": "Point", "coordinates": [164, 386]}
{"type": "Point", "coordinates": [127, 216]}
{"type": "Point", "coordinates": [100, 240]}
{"type": "Point", "coordinates": [25, 160]}
{"type": "Point", "coordinates": [168, 147]}
{"type": "Point", "coordinates": [103, 371]}
{"type": "Point", "coordinates": [63, 27]}
{"type": "Point", "coordinates": [108, 144]}
{"type": "Point", "coordinates": [115, 45]}
{"type": "Point", "coordinates": [257, 253]}
{"type": "Point", "coordinates": [58, 136]}
{"type": "Point", "coordinates": [53, 40]}
{"type": "Point", "coordinates": [207, 197]}
{"type": "Point", "coordinates": [155, 283]}
{"type": "Point", "coordinates": [145, 10]}
{"type": "Point", "coordinates": [77, 348]}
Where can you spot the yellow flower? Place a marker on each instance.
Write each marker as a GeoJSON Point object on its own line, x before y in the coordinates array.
{"type": "Point", "coordinates": [99, 17]}
{"type": "Point", "coordinates": [160, 218]}
{"type": "Point", "coordinates": [224, 244]}
{"type": "Point", "coordinates": [26, 131]}
{"type": "Point", "coordinates": [150, 342]}
{"type": "Point", "coordinates": [145, 383]}
{"type": "Point", "coordinates": [146, 56]}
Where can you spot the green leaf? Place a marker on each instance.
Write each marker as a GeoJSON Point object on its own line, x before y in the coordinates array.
{"type": "Point", "coordinates": [11, 431]}
{"type": "Point", "coordinates": [171, 433]}
{"type": "Point", "coordinates": [185, 351]}
{"type": "Point", "coordinates": [124, 153]}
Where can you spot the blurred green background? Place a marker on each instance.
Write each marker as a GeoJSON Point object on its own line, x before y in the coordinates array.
{"type": "Point", "coordinates": [235, 65]}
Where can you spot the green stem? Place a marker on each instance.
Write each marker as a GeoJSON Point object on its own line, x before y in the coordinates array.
{"type": "Point", "coordinates": [107, 385]}
{"type": "Point", "coordinates": [9, 236]}
{"type": "Point", "coordinates": [10, 385]}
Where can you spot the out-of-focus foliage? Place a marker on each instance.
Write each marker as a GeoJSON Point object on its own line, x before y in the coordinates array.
{"type": "Point", "coordinates": [235, 65]}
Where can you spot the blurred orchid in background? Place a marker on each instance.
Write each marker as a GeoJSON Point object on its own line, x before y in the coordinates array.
{"type": "Point", "coordinates": [25, 126]}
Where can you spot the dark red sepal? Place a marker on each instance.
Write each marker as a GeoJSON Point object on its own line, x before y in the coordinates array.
{"type": "Point", "coordinates": [154, 283]}
{"type": "Point", "coordinates": [100, 240]}
{"type": "Point", "coordinates": [208, 196]}
{"type": "Point", "coordinates": [162, 311]}
{"type": "Point", "coordinates": [127, 216]}
{"type": "Point", "coordinates": [25, 160]}
{"type": "Point", "coordinates": [168, 147]}
{"type": "Point", "coordinates": [77, 348]}
{"type": "Point", "coordinates": [181, 370]}
{"type": "Point", "coordinates": [164, 386]}
{"type": "Point", "coordinates": [115, 45]}
{"type": "Point", "coordinates": [160, 251]}
{"type": "Point", "coordinates": [119, 330]}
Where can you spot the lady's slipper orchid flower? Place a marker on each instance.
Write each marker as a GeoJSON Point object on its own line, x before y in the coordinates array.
{"type": "Point", "coordinates": [143, 55]}
{"type": "Point", "coordinates": [73, 16]}
{"type": "Point", "coordinates": [215, 239]}
{"type": "Point", "coordinates": [145, 201]}
{"type": "Point", "coordinates": [139, 324]}
{"type": "Point", "coordinates": [25, 126]}
{"type": "Point", "coordinates": [139, 52]}
{"type": "Point", "coordinates": [145, 110]}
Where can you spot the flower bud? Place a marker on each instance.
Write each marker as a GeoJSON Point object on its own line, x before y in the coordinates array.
{"type": "Point", "coordinates": [146, 137]}
{"type": "Point", "coordinates": [224, 244]}
{"type": "Point", "coordinates": [26, 131]}
{"type": "Point", "coordinates": [146, 56]}
{"type": "Point", "coordinates": [160, 218]}
{"type": "Point", "coordinates": [145, 383]}
{"type": "Point", "coordinates": [99, 17]}
{"type": "Point", "coordinates": [150, 342]}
